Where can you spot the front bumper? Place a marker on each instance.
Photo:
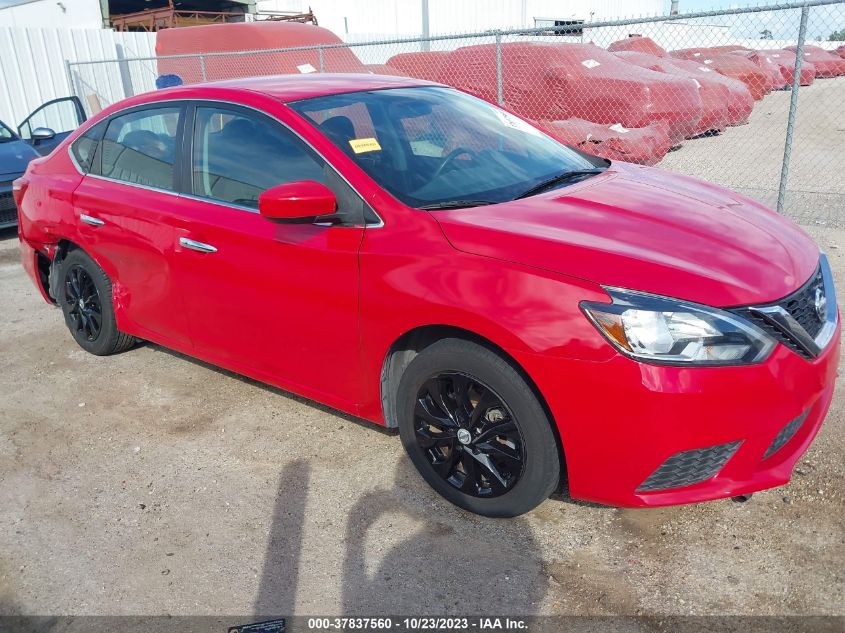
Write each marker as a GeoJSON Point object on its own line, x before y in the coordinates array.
{"type": "Point", "coordinates": [620, 421]}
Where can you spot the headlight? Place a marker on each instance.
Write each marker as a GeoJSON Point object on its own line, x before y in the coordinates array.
{"type": "Point", "coordinates": [663, 330]}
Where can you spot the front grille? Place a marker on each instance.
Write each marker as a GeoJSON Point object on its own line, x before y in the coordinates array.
{"type": "Point", "coordinates": [8, 209]}
{"type": "Point", "coordinates": [800, 306]}
{"type": "Point", "coordinates": [690, 467]}
{"type": "Point", "coordinates": [777, 333]}
{"type": "Point", "coordinates": [786, 434]}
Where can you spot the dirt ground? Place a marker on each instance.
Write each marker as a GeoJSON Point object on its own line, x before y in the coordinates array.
{"type": "Point", "coordinates": [149, 483]}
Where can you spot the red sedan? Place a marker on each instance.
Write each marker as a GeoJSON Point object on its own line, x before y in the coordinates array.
{"type": "Point", "coordinates": [523, 313]}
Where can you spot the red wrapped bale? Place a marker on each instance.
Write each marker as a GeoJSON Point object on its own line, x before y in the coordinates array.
{"type": "Point", "coordinates": [785, 60]}
{"type": "Point", "coordinates": [422, 65]}
{"type": "Point", "coordinates": [730, 65]}
{"type": "Point", "coordinates": [384, 69]}
{"type": "Point", "coordinates": [740, 102]}
{"type": "Point", "coordinates": [775, 78]}
{"type": "Point", "coordinates": [251, 36]}
{"type": "Point", "coordinates": [715, 95]}
{"type": "Point", "coordinates": [707, 51]}
{"type": "Point", "coordinates": [637, 44]}
{"type": "Point", "coordinates": [841, 51]}
{"type": "Point", "coordinates": [827, 64]}
{"type": "Point", "coordinates": [554, 82]}
{"type": "Point", "coordinates": [645, 146]}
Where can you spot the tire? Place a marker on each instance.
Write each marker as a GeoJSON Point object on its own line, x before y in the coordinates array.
{"type": "Point", "coordinates": [499, 419]}
{"type": "Point", "coordinates": [91, 322]}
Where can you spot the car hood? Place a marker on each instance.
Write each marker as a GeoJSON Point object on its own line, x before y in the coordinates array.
{"type": "Point", "coordinates": [14, 157]}
{"type": "Point", "coordinates": [649, 230]}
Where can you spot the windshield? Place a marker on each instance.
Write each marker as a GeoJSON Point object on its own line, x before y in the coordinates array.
{"type": "Point", "coordinates": [6, 134]}
{"type": "Point", "coordinates": [432, 146]}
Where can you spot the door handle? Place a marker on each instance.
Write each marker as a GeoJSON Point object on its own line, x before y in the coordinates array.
{"type": "Point", "coordinates": [200, 247]}
{"type": "Point", "coordinates": [89, 219]}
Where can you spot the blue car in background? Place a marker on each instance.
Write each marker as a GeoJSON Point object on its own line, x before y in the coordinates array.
{"type": "Point", "coordinates": [36, 136]}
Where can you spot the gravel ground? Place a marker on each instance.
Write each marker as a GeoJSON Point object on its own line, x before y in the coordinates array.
{"type": "Point", "coordinates": [150, 483]}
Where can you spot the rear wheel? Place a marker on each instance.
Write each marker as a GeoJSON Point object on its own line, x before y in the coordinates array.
{"type": "Point", "coordinates": [86, 301]}
{"type": "Point", "coordinates": [475, 431]}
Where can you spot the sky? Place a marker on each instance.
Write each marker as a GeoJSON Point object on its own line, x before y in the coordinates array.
{"type": "Point", "coordinates": [822, 22]}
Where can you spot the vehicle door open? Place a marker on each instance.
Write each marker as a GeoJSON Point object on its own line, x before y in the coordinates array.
{"type": "Point", "coordinates": [51, 123]}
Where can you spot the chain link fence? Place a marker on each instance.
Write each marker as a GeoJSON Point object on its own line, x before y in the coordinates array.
{"type": "Point", "coordinates": [749, 98]}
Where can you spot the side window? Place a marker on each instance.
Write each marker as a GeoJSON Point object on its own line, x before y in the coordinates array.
{"type": "Point", "coordinates": [139, 147]}
{"type": "Point", "coordinates": [85, 147]}
{"type": "Point", "coordinates": [237, 156]}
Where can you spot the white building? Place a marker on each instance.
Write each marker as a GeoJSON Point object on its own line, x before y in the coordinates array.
{"type": "Point", "coordinates": [68, 14]}
{"type": "Point", "coordinates": [358, 20]}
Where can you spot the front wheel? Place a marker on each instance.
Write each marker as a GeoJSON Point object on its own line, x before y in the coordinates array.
{"type": "Point", "coordinates": [475, 431]}
{"type": "Point", "coordinates": [86, 301]}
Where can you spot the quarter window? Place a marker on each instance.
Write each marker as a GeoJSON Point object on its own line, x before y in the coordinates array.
{"type": "Point", "coordinates": [139, 147]}
{"type": "Point", "coordinates": [85, 147]}
{"type": "Point", "coordinates": [237, 156]}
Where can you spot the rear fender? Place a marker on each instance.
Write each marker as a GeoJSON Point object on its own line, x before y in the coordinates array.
{"type": "Point", "coordinates": [59, 252]}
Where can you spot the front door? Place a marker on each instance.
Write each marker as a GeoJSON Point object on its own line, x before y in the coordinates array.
{"type": "Point", "coordinates": [275, 301]}
{"type": "Point", "coordinates": [51, 123]}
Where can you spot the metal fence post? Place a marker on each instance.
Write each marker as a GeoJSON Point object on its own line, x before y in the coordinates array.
{"type": "Point", "coordinates": [71, 88]}
{"type": "Point", "coordinates": [425, 45]}
{"type": "Point", "coordinates": [202, 68]}
{"type": "Point", "coordinates": [499, 90]}
{"type": "Point", "coordinates": [322, 60]}
{"type": "Point", "coordinates": [125, 74]}
{"type": "Point", "coordinates": [793, 107]}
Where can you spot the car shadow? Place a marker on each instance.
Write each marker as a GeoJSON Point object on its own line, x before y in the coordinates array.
{"type": "Point", "coordinates": [438, 559]}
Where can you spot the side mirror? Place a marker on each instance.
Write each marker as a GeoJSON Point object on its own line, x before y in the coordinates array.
{"type": "Point", "coordinates": [301, 202]}
{"type": "Point", "coordinates": [42, 134]}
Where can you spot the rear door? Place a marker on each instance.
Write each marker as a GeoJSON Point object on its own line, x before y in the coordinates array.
{"type": "Point", "coordinates": [51, 123]}
{"type": "Point", "coordinates": [127, 214]}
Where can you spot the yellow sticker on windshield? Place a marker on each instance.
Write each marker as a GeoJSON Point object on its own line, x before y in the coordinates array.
{"type": "Point", "coordinates": [361, 145]}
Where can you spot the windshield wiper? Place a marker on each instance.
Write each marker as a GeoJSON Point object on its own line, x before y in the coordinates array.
{"type": "Point", "coordinates": [456, 204]}
{"type": "Point", "coordinates": [558, 180]}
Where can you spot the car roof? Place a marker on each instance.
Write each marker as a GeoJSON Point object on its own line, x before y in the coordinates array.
{"type": "Point", "coordinates": [295, 87]}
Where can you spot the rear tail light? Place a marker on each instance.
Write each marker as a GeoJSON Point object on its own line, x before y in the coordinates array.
{"type": "Point", "coordinates": [19, 187]}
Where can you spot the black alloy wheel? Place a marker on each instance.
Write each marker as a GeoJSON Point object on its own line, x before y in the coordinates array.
{"type": "Point", "coordinates": [469, 435]}
{"type": "Point", "coordinates": [84, 305]}
{"type": "Point", "coordinates": [85, 297]}
{"type": "Point", "coordinates": [475, 429]}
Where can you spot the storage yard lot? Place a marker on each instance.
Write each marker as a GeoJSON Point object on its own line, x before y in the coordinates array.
{"type": "Point", "coordinates": [151, 483]}
{"type": "Point", "coordinates": [748, 157]}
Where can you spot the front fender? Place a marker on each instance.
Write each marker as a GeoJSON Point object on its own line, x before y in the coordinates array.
{"type": "Point", "coordinates": [520, 309]}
